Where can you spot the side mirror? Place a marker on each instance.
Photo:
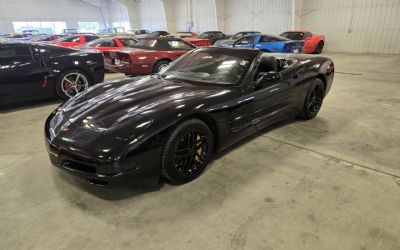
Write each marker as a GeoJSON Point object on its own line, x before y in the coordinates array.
{"type": "Point", "coordinates": [266, 77]}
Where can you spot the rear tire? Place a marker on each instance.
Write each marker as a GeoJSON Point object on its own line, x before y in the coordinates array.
{"type": "Point", "coordinates": [70, 83]}
{"type": "Point", "coordinates": [187, 151]}
{"type": "Point", "coordinates": [314, 99]}
{"type": "Point", "coordinates": [319, 48]}
{"type": "Point", "coordinates": [160, 65]}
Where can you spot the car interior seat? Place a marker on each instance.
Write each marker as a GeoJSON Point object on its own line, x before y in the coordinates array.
{"type": "Point", "coordinates": [268, 64]}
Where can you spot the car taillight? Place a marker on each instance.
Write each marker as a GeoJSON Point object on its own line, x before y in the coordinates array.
{"type": "Point", "coordinates": [330, 69]}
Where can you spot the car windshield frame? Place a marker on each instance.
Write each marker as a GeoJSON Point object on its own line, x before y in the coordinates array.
{"type": "Point", "coordinates": [178, 71]}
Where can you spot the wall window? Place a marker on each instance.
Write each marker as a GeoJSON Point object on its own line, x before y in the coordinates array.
{"type": "Point", "coordinates": [125, 25]}
{"type": "Point", "coordinates": [41, 27]}
{"type": "Point", "coordinates": [90, 27]}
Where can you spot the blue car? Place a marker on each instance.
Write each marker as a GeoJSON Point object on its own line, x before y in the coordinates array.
{"type": "Point", "coordinates": [267, 43]}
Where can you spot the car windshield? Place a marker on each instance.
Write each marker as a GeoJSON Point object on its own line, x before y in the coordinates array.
{"type": "Point", "coordinates": [213, 67]}
{"type": "Point", "coordinates": [293, 35]}
{"type": "Point", "coordinates": [204, 35]}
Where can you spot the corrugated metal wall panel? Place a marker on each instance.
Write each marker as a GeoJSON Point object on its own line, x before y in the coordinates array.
{"type": "Point", "coordinates": [151, 15]}
{"type": "Point", "coordinates": [204, 15]}
{"type": "Point", "coordinates": [267, 16]}
{"type": "Point", "coordinates": [363, 26]}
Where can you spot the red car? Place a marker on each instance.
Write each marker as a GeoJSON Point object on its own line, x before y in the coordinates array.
{"type": "Point", "coordinates": [75, 40]}
{"type": "Point", "coordinates": [109, 43]}
{"type": "Point", "coordinates": [191, 38]}
{"type": "Point", "coordinates": [148, 56]}
{"type": "Point", "coordinates": [312, 43]}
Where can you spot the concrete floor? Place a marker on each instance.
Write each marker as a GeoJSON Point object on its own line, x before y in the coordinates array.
{"type": "Point", "coordinates": [328, 183]}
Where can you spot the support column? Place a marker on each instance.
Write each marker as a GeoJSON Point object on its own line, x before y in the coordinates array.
{"type": "Point", "coordinates": [220, 10]}
{"type": "Point", "coordinates": [169, 10]}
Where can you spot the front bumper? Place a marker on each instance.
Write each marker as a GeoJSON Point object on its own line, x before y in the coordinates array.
{"type": "Point", "coordinates": [87, 165]}
{"type": "Point", "coordinates": [86, 169]}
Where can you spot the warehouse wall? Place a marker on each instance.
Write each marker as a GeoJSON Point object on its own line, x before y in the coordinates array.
{"type": "Point", "coordinates": [267, 16]}
{"type": "Point", "coordinates": [201, 12]}
{"type": "Point", "coordinates": [148, 14]}
{"type": "Point", "coordinates": [368, 26]}
{"type": "Point", "coordinates": [70, 11]}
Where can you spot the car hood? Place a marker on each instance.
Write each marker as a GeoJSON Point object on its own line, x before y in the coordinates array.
{"type": "Point", "coordinates": [111, 104]}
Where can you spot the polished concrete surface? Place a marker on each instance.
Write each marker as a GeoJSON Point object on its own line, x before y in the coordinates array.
{"type": "Point", "coordinates": [329, 183]}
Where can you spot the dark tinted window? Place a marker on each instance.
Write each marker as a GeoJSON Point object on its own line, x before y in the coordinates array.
{"type": "Point", "coordinates": [90, 38]}
{"type": "Point", "coordinates": [127, 42]}
{"type": "Point", "coordinates": [219, 35]}
{"type": "Point", "coordinates": [15, 53]}
{"type": "Point", "coordinates": [264, 39]}
{"type": "Point", "coordinates": [246, 40]}
{"type": "Point", "coordinates": [205, 35]}
{"type": "Point", "coordinates": [293, 35]}
{"type": "Point", "coordinates": [104, 42]}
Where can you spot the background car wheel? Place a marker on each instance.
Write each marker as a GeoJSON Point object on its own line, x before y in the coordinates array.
{"type": "Point", "coordinates": [319, 48]}
{"type": "Point", "coordinates": [187, 151]}
{"type": "Point", "coordinates": [314, 99]}
{"type": "Point", "coordinates": [160, 65]}
{"type": "Point", "coordinates": [70, 83]}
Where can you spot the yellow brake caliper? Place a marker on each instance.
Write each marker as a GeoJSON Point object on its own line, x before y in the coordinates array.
{"type": "Point", "coordinates": [198, 142]}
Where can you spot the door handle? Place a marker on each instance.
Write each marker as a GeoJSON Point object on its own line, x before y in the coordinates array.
{"type": "Point", "coordinates": [295, 75]}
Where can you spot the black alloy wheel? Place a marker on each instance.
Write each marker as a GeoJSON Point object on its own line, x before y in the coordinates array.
{"type": "Point", "coordinates": [314, 99]}
{"type": "Point", "coordinates": [187, 151]}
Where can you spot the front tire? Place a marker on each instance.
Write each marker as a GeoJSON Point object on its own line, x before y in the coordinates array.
{"type": "Point", "coordinates": [314, 99]}
{"type": "Point", "coordinates": [187, 151]}
{"type": "Point", "coordinates": [70, 83]}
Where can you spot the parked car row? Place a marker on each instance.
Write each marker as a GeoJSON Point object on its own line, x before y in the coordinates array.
{"type": "Point", "coordinates": [35, 62]}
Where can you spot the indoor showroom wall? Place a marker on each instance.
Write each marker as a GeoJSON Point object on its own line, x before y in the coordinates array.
{"type": "Point", "coordinates": [364, 26]}
{"type": "Point", "coordinates": [71, 12]}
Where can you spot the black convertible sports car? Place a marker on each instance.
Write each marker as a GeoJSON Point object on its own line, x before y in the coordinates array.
{"type": "Point", "coordinates": [36, 71]}
{"type": "Point", "coordinates": [171, 124]}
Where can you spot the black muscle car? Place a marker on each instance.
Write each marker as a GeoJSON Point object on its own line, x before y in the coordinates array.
{"type": "Point", "coordinates": [30, 71]}
{"type": "Point", "coordinates": [170, 124]}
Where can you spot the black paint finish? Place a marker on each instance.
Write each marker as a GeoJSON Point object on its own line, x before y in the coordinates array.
{"type": "Point", "coordinates": [28, 71]}
{"type": "Point", "coordinates": [115, 131]}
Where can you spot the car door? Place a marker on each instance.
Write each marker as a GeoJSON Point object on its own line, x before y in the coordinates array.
{"type": "Point", "coordinates": [21, 74]}
{"type": "Point", "coordinates": [245, 42]}
{"type": "Point", "coordinates": [309, 44]}
{"type": "Point", "coordinates": [269, 44]}
{"type": "Point", "coordinates": [271, 100]}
